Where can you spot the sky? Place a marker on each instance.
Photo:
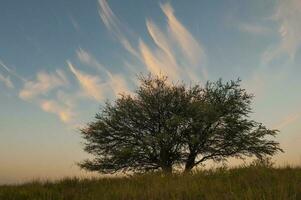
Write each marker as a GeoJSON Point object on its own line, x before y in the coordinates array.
{"type": "Point", "coordinates": [61, 60]}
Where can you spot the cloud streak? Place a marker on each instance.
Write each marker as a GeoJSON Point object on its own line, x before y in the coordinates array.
{"type": "Point", "coordinates": [87, 59]}
{"type": "Point", "coordinates": [177, 53]}
{"type": "Point", "coordinates": [91, 85]}
{"type": "Point", "coordinates": [113, 24]}
{"type": "Point", "coordinates": [47, 91]}
{"type": "Point", "coordinates": [254, 29]}
{"type": "Point", "coordinates": [62, 111]}
{"type": "Point", "coordinates": [288, 15]}
{"type": "Point", "coordinates": [44, 83]}
{"type": "Point", "coordinates": [7, 82]}
{"type": "Point", "coordinates": [157, 63]}
{"type": "Point", "coordinates": [189, 45]}
{"type": "Point", "coordinates": [10, 71]}
{"type": "Point", "coordinates": [4, 66]}
{"type": "Point", "coordinates": [111, 82]}
{"type": "Point", "coordinates": [287, 121]}
{"type": "Point", "coordinates": [161, 60]}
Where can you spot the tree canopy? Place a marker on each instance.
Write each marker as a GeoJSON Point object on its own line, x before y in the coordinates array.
{"type": "Point", "coordinates": [163, 125]}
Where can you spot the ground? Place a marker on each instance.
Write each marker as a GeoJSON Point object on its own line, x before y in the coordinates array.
{"type": "Point", "coordinates": [252, 182]}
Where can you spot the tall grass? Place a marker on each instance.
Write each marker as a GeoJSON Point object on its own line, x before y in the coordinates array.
{"type": "Point", "coordinates": [253, 182]}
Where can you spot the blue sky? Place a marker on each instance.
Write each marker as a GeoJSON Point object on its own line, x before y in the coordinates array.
{"type": "Point", "coordinates": [61, 60]}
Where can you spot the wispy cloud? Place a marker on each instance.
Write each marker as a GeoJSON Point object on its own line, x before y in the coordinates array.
{"type": "Point", "coordinates": [288, 15]}
{"type": "Point", "coordinates": [177, 54]}
{"type": "Point", "coordinates": [113, 24]}
{"type": "Point", "coordinates": [74, 23]}
{"type": "Point", "coordinates": [118, 84]}
{"type": "Point", "coordinates": [91, 85]}
{"type": "Point", "coordinates": [163, 59]}
{"type": "Point", "coordinates": [64, 112]}
{"type": "Point", "coordinates": [44, 83]}
{"type": "Point", "coordinates": [86, 58]}
{"type": "Point", "coordinates": [254, 29]}
{"type": "Point", "coordinates": [115, 82]}
{"type": "Point", "coordinates": [38, 92]}
{"type": "Point", "coordinates": [189, 45]}
{"type": "Point", "coordinates": [51, 91]}
{"type": "Point", "coordinates": [6, 80]}
{"type": "Point", "coordinates": [4, 66]}
{"type": "Point", "coordinates": [156, 62]}
{"type": "Point", "coordinates": [261, 81]}
{"type": "Point", "coordinates": [287, 121]}
{"type": "Point", "coordinates": [47, 92]}
{"type": "Point", "coordinates": [160, 39]}
{"type": "Point", "coordinates": [10, 71]}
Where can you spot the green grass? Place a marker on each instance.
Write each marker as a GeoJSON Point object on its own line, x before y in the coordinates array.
{"type": "Point", "coordinates": [251, 183]}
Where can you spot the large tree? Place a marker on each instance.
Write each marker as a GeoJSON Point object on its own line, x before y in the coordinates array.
{"type": "Point", "coordinates": [219, 126]}
{"type": "Point", "coordinates": [164, 124]}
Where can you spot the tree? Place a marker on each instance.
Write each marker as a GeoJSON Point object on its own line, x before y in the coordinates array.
{"type": "Point", "coordinates": [219, 126]}
{"type": "Point", "coordinates": [163, 125]}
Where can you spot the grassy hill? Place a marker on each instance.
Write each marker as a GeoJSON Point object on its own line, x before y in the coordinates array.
{"type": "Point", "coordinates": [238, 183]}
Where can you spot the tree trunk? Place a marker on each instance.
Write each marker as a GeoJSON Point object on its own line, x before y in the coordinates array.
{"type": "Point", "coordinates": [165, 162]}
{"type": "Point", "coordinates": [190, 162]}
{"type": "Point", "coordinates": [167, 169]}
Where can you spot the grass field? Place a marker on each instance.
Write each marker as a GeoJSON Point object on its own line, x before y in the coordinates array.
{"type": "Point", "coordinates": [251, 183]}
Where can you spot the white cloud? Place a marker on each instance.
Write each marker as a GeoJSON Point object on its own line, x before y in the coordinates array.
{"type": "Point", "coordinates": [177, 54]}
{"type": "Point", "coordinates": [116, 82]}
{"type": "Point", "coordinates": [189, 45]}
{"type": "Point", "coordinates": [74, 23]}
{"type": "Point", "coordinates": [288, 15]}
{"type": "Point", "coordinates": [62, 111]}
{"type": "Point", "coordinates": [91, 85]}
{"type": "Point", "coordinates": [160, 39]}
{"type": "Point", "coordinates": [6, 80]}
{"type": "Point", "coordinates": [10, 71]}
{"type": "Point", "coordinates": [113, 24]}
{"type": "Point", "coordinates": [254, 29]}
{"type": "Point", "coordinates": [256, 84]}
{"type": "Point", "coordinates": [162, 60]}
{"type": "Point", "coordinates": [157, 62]}
{"type": "Point", "coordinates": [44, 83]}
{"type": "Point", "coordinates": [59, 103]}
{"type": "Point", "coordinates": [287, 121]}
{"type": "Point", "coordinates": [37, 91]}
{"type": "Point", "coordinates": [262, 80]}
{"type": "Point", "coordinates": [86, 58]}
{"type": "Point", "coordinates": [63, 105]}
{"type": "Point", "coordinates": [166, 58]}
{"type": "Point", "coordinates": [4, 66]}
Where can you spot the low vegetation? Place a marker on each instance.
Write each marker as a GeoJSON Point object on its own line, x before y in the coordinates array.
{"type": "Point", "coordinates": [251, 182]}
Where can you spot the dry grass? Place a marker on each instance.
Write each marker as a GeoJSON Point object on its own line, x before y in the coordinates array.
{"type": "Point", "coordinates": [239, 183]}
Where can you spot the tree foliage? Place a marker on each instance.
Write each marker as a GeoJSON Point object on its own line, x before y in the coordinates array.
{"type": "Point", "coordinates": [165, 125]}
